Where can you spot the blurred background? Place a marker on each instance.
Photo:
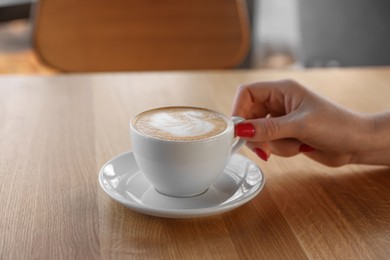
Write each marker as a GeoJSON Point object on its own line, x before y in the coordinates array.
{"type": "Point", "coordinates": [284, 34]}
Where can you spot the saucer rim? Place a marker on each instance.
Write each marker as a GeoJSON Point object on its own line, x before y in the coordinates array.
{"type": "Point", "coordinates": [180, 213]}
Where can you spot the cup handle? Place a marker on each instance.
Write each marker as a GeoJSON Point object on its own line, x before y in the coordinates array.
{"type": "Point", "coordinates": [239, 141]}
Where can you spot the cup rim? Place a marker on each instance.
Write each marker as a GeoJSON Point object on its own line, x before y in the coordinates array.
{"type": "Point", "coordinates": [230, 125]}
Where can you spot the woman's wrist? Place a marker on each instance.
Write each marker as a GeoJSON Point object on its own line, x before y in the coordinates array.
{"type": "Point", "coordinates": [373, 140]}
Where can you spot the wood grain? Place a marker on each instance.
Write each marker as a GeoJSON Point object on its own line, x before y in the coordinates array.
{"type": "Point", "coordinates": [57, 131]}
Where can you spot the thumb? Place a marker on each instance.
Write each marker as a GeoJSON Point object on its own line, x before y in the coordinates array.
{"type": "Point", "coordinates": [266, 129]}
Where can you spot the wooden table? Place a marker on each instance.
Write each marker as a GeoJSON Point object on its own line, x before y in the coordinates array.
{"type": "Point", "coordinates": [57, 131]}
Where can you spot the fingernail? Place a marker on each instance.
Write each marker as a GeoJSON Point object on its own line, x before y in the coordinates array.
{"type": "Point", "coordinates": [245, 130]}
{"type": "Point", "coordinates": [261, 154]}
{"type": "Point", "coordinates": [306, 148]}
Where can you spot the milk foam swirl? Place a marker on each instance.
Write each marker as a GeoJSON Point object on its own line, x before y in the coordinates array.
{"type": "Point", "coordinates": [185, 123]}
{"type": "Point", "coordinates": [180, 123]}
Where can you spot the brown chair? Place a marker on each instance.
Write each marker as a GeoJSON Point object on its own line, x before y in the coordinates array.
{"type": "Point", "coordinates": [134, 35]}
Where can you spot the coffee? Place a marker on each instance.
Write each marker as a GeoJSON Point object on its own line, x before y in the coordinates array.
{"type": "Point", "coordinates": [180, 123]}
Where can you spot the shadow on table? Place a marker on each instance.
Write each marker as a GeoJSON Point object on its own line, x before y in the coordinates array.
{"type": "Point", "coordinates": [255, 229]}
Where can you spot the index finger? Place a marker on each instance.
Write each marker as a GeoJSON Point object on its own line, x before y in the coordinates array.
{"type": "Point", "coordinates": [251, 99]}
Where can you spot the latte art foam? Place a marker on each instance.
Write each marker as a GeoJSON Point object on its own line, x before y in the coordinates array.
{"type": "Point", "coordinates": [180, 123]}
{"type": "Point", "coordinates": [186, 123]}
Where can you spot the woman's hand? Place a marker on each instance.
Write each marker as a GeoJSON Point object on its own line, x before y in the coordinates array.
{"type": "Point", "coordinates": [284, 118]}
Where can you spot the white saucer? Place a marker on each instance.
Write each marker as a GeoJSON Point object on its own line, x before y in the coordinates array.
{"type": "Point", "coordinates": [121, 179]}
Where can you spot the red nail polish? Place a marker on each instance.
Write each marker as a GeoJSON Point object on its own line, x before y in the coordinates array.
{"type": "Point", "coordinates": [306, 148]}
{"type": "Point", "coordinates": [261, 154]}
{"type": "Point", "coordinates": [245, 130]}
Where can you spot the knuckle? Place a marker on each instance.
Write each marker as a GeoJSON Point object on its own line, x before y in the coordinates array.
{"type": "Point", "coordinates": [242, 87]}
{"type": "Point", "coordinates": [291, 84]}
{"type": "Point", "coordinates": [270, 128]}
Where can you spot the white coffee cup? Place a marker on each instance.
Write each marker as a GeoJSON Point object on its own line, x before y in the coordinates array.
{"type": "Point", "coordinates": [184, 168]}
